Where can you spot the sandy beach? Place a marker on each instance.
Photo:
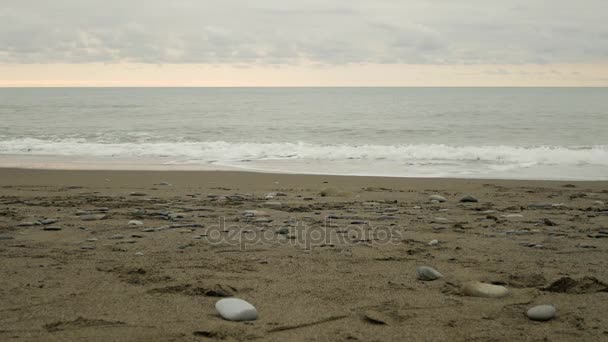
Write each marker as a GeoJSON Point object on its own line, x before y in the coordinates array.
{"type": "Point", "coordinates": [144, 256]}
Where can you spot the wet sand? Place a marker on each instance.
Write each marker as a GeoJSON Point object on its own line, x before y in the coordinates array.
{"type": "Point", "coordinates": [334, 260]}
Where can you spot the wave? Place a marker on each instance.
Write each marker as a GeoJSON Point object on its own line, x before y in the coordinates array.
{"type": "Point", "coordinates": [221, 151]}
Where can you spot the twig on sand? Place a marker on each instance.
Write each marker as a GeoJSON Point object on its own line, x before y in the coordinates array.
{"type": "Point", "coordinates": [304, 325]}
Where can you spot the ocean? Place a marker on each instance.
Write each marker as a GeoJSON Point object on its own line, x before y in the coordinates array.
{"type": "Point", "coordinates": [508, 133]}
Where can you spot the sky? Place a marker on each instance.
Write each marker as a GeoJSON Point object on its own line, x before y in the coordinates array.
{"type": "Point", "coordinates": [303, 43]}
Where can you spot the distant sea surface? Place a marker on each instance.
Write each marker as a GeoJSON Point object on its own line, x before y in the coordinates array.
{"type": "Point", "coordinates": [513, 133]}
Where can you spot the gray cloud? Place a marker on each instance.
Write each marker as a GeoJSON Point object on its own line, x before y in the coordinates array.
{"type": "Point", "coordinates": [289, 32]}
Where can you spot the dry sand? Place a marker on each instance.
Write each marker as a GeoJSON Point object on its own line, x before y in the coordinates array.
{"type": "Point", "coordinates": [318, 268]}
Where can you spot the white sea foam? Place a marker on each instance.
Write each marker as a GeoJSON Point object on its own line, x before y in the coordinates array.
{"type": "Point", "coordinates": [498, 157]}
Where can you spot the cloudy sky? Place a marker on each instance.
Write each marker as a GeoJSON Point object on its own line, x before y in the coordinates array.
{"type": "Point", "coordinates": [306, 42]}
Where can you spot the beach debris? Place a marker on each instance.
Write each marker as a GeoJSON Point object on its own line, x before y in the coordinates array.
{"type": "Point", "coordinates": [577, 286]}
{"type": "Point", "coordinates": [93, 217]}
{"type": "Point", "coordinates": [273, 204]}
{"type": "Point", "coordinates": [27, 224]}
{"type": "Point", "coordinates": [541, 313]}
{"type": "Point", "coordinates": [135, 223]}
{"type": "Point", "coordinates": [91, 211]}
{"type": "Point", "coordinates": [433, 242]}
{"type": "Point", "coordinates": [327, 192]}
{"type": "Point", "coordinates": [479, 289]}
{"type": "Point", "coordinates": [437, 198]}
{"type": "Point", "coordinates": [254, 213]}
{"type": "Point", "coordinates": [235, 309]}
{"type": "Point", "coordinates": [427, 273]}
{"type": "Point", "coordinates": [283, 231]}
{"type": "Point", "coordinates": [375, 317]}
{"type": "Point", "coordinates": [469, 199]}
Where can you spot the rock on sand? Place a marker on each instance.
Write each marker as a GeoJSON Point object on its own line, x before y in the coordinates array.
{"type": "Point", "coordinates": [541, 312]}
{"type": "Point", "coordinates": [234, 309]}
{"type": "Point", "coordinates": [479, 289]}
{"type": "Point", "coordinates": [427, 273]}
{"type": "Point", "coordinates": [437, 198]}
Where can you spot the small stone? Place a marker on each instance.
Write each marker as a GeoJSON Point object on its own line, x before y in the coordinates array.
{"type": "Point", "coordinates": [234, 309]}
{"type": "Point", "coordinates": [137, 193]}
{"type": "Point", "coordinates": [164, 183]}
{"type": "Point", "coordinates": [6, 237]}
{"type": "Point", "coordinates": [49, 221]}
{"type": "Point", "coordinates": [427, 273]}
{"type": "Point", "coordinates": [51, 228]}
{"type": "Point", "coordinates": [479, 289]}
{"type": "Point", "coordinates": [433, 242]}
{"type": "Point", "coordinates": [437, 198]}
{"type": "Point", "coordinates": [254, 213]}
{"type": "Point", "coordinates": [139, 254]}
{"type": "Point", "coordinates": [92, 240]}
{"type": "Point", "coordinates": [283, 231]}
{"type": "Point", "coordinates": [116, 237]}
{"type": "Point", "coordinates": [135, 223]}
{"type": "Point", "coordinates": [541, 313]}
{"type": "Point", "coordinates": [87, 247]}
{"type": "Point", "coordinates": [469, 199]}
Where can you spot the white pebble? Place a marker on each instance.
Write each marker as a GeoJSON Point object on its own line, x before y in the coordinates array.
{"type": "Point", "coordinates": [433, 242]}
{"type": "Point", "coordinates": [135, 223]}
{"type": "Point", "coordinates": [427, 273]}
{"type": "Point", "coordinates": [541, 313]}
{"type": "Point", "coordinates": [234, 309]}
{"type": "Point", "coordinates": [478, 289]}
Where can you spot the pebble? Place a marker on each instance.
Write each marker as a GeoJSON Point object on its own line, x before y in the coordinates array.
{"type": "Point", "coordinates": [49, 221]}
{"type": "Point", "coordinates": [6, 237]}
{"type": "Point", "coordinates": [234, 309]}
{"type": "Point", "coordinates": [135, 223]}
{"type": "Point", "coordinates": [164, 183]}
{"type": "Point", "coordinates": [92, 240]}
{"type": "Point", "coordinates": [254, 213]}
{"type": "Point", "coordinates": [51, 228]}
{"type": "Point", "coordinates": [541, 313]}
{"type": "Point", "coordinates": [116, 237]}
{"type": "Point", "coordinates": [433, 242]}
{"type": "Point", "coordinates": [136, 193]}
{"type": "Point", "coordinates": [427, 273]}
{"type": "Point", "coordinates": [438, 198]}
{"type": "Point", "coordinates": [468, 198]}
{"type": "Point", "coordinates": [479, 289]}
{"type": "Point", "coordinates": [139, 253]}
{"type": "Point", "coordinates": [283, 231]}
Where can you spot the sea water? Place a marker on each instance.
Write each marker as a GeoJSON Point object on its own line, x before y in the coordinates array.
{"type": "Point", "coordinates": [514, 133]}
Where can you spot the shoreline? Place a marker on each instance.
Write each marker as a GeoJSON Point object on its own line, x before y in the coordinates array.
{"type": "Point", "coordinates": [27, 173]}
